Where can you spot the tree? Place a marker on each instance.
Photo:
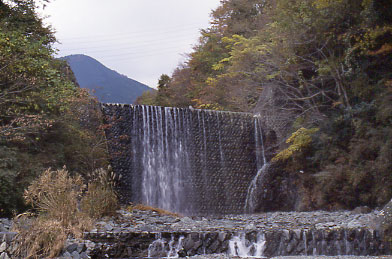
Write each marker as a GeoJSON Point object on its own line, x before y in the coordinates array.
{"type": "Point", "coordinates": [45, 119]}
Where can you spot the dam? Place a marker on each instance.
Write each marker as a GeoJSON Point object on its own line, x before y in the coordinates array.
{"type": "Point", "coordinates": [189, 161]}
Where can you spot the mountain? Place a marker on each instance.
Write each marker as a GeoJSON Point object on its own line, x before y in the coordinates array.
{"type": "Point", "coordinates": [107, 85]}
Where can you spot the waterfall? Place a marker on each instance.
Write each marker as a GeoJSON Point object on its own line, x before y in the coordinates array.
{"type": "Point", "coordinates": [183, 160]}
{"type": "Point", "coordinates": [240, 246]}
{"type": "Point", "coordinates": [262, 167]}
{"type": "Point", "coordinates": [165, 248]}
{"type": "Point", "coordinates": [164, 156]}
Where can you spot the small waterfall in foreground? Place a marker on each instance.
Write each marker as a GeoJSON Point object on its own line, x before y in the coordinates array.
{"type": "Point", "coordinates": [262, 167]}
{"type": "Point", "coordinates": [164, 248]}
{"type": "Point", "coordinates": [242, 247]}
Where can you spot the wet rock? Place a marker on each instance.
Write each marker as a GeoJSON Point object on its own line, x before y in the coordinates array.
{"type": "Point", "coordinates": [71, 248]}
{"type": "Point", "coordinates": [362, 210]}
{"type": "Point", "coordinates": [157, 249]}
{"type": "Point", "coordinates": [75, 255]}
{"type": "Point", "coordinates": [3, 247]}
{"type": "Point", "coordinates": [186, 220]}
{"type": "Point", "coordinates": [108, 227]}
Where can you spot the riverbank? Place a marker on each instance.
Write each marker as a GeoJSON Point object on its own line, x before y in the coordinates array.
{"type": "Point", "coordinates": [291, 235]}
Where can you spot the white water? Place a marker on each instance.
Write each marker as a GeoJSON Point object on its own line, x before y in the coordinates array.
{"type": "Point", "coordinates": [262, 167]}
{"type": "Point", "coordinates": [240, 246]}
{"type": "Point", "coordinates": [164, 157]}
{"type": "Point", "coordinates": [158, 244]}
{"type": "Point", "coordinates": [173, 148]}
{"type": "Point", "coordinates": [161, 247]}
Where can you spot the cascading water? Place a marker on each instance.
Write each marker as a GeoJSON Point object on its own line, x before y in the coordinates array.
{"type": "Point", "coordinates": [262, 167]}
{"type": "Point", "coordinates": [188, 161]}
{"type": "Point", "coordinates": [164, 159]}
{"type": "Point", "coordinates": [240, 246]}
{"type": "Point", "coordinates": [164, 248]}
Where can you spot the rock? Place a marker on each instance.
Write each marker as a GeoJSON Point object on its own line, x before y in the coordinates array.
{"type": "Point", "coordinates": [7, 237]}
{"type": "Point", "coordinates": [157, 249]}
{"type": "Point", "coordinates": [72, 247]}
{"type": "Point", "coordinates": [362, 210]}
{"type": "Point", "coordinates": [108, 227]}
{"type": "Point", "coordinates": [383, 220]}
{"type": "Point", "coordinates": [186, 220]}
{"type": "Point", "coordinates": [354, 224]}
{"type": "Point", "coordinates": [4, 256]}
{"type": "Point", "coordinates": [182, 253]}
{"type": "Point", "coordinates": [67, 255]}
{"type": "Point", "coordinates": [250, 226]}
{"type": "Point", "coordinates": [3, 247]}
{"type": "Point", "coordinates": [81, 248]}
{"type": "Point", "coordinates": [75, 255]}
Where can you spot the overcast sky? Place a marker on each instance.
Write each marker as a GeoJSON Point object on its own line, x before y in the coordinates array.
{"type": "Point", "coordinates": [141, 39]}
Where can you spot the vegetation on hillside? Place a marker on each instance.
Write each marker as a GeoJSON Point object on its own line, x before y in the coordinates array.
{"type": "Point", "coordinates": [326, 65]}
{"type": "Point", "coordinates": [107, 85]}
{"type": "Point", "coordinates": [45, 119]}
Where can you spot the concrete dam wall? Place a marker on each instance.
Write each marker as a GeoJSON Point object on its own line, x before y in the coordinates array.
{"type": "Point", "coordinates": [194, 162]}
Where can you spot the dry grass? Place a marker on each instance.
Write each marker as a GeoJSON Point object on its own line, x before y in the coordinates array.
{"type": "Point", "coordinates": [55, 194]}
{"type": "Point", "coordinates": [149, 208]}
{"type": "Point", "coordinates": [56, 197]}
{"type": "Point", "coordinates": [100, 198]}
{"type": "Point", "coordinates": [38, 237]}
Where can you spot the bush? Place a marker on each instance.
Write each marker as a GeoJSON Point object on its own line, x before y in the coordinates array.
{"type": "Point", "coordinates": [299, 141]}
{"type": "Point", "coordinates": [10, 191]}
{"type": "Point", "coordinates": [39, 237]}
{"type": "Point", "coordinates": [56, 196]}
{"type": "Point", "coordinates": [100, 198]}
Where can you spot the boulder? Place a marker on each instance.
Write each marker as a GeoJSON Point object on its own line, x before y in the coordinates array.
{"type": "Point", "coordinates": [383, 221]}
{"type": "Point", "coordinates": [362, 210]}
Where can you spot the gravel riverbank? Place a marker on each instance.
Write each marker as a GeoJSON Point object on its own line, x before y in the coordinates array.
{"type": "Point", "coordinates": [150, 221]}
{"type": "Point", "coordinates": [136, 229]}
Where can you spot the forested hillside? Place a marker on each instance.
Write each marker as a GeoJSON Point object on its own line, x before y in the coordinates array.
{"type": "Point", "coordinates": [319, 72]}
{"type": "Point", "coordinates": [107, 85]}
{"type": "Point", "coordinates": [45, 119]}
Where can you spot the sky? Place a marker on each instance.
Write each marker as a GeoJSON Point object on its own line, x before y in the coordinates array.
{"type": "Point", "coordinates": [141, 39]}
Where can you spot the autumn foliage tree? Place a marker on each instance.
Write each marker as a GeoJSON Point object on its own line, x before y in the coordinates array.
{"type": "Point", "coordinates": [305, 64]}
{"type": "Point", "coordinates": [40, 107]}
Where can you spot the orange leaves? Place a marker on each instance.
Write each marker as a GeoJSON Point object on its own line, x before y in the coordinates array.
{"type": "Point", "coordinates": [384, 50]}
{"type": "Point", "coordinates": [22, 125]}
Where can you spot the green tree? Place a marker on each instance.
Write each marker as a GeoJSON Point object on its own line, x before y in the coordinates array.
{"type": "Point", "coordinates": [45, 119]}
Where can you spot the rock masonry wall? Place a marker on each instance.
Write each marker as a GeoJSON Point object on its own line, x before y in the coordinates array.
{"type": "Point", "coordinates": [220, 146]}
{"type": "Point", "coordinates": [311, 242]}
{"type": "Point", "coordinates": [270, 234]}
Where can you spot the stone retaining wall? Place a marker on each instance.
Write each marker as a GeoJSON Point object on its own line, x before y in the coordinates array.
{"type": "Point", "coordinates": [314, 242]}
{"type": "Point", "coordinates": [219, 153]}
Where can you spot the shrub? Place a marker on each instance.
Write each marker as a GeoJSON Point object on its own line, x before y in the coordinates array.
{"type": "Point", "coordinates": [299, 141]}
{"type": "Point", "coordinates": [38, 237]}
{"type": "Point", "coordinates": [56, 196]}
{"type": "Point", "coordinates": [100, 198]}
{"type": "Point", "coordinates": [10, 190]}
